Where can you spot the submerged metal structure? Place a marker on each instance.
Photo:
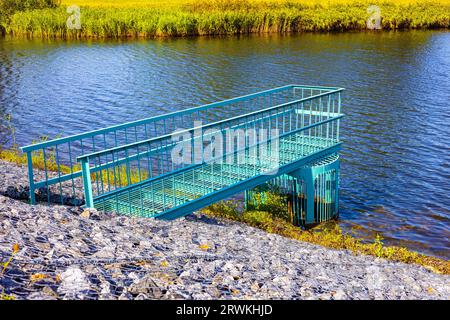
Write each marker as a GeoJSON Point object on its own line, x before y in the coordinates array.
{"type": "Point", "coordinates": [171, 165]}
{"type": "Point", "coordinates": [311, 192]}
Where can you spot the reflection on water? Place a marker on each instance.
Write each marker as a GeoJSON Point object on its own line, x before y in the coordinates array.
{"type": "Point", "coordinates": [396, 161]}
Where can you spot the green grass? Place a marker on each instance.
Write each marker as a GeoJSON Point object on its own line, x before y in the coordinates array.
{"type": "Point", "coordinates": [327, 235]}
{"type": "Point", "coordinates": [186, 18]}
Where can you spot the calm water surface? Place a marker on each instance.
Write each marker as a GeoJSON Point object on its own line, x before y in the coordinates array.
{"type": "Point", "coordinates": [396, 161]}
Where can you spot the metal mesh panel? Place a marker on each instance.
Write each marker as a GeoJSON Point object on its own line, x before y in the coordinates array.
{"type": "Point", "coordinates": [321, 175]}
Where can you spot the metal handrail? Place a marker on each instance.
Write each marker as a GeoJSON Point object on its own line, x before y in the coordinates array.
{"type": "Point", "coordinates": [54, 142]}
{"type": "Point", "coordinates": [166, 136]}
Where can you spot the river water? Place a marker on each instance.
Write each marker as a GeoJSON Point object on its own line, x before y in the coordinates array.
{"type": "Point", "coordinates": [396, 158]}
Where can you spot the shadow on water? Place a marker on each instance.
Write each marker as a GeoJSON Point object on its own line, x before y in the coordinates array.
{"type": "Point", "coordinates": [395, 164]}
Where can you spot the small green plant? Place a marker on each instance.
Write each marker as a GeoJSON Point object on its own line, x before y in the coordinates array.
{"type": "Point", "coordinates": [260, 218]}
{"type": "Point", "coordinates": [224, 209]}
{"type": "Point", "coordinates": [4, 296]}
{"type": "Point", "coordinates": [378, 246]}
{"type": "Point", "coordinates": [271, 200]}
{"type": "Point", "coordinates": [15, 250]}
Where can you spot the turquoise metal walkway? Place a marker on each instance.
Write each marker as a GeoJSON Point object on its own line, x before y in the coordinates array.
{"type": "Point", "coordinates": [155, 168]}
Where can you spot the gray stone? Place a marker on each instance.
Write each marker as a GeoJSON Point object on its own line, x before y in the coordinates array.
{"type": "Point", "coordinates": [73, 282]}
{"type": "Point", "coordinates": [147, 287]}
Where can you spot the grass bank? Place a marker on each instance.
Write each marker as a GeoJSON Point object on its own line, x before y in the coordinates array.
{"type": "Point", "coordinates": [327, 235]}
{"type": "Point", "coordinates": [156, 18]}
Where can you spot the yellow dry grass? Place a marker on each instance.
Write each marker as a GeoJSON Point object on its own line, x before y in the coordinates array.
{"type": "Point", "coordinates": [180, 3]}
{"type": "Point", "coordinates": [158, 18]}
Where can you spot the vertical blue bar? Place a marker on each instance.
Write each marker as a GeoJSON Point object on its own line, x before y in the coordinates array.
{"type": "Point", "coordinates": [31, 177]}
{"type": "Point", "coordinates": [337, 168]}
{"type": "Point", "coordinates": [246, 199]}
{"type": "Point", "coordinates": [309, 184]}
{"type": "Point", "coordinates": [87, 183]}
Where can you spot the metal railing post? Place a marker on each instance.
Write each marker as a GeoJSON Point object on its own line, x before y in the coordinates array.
{"type": "Point", "coordinates": [31, 177]}
{"type": "Point", "coordinates": [309, 185]}
{"type": "Point", "coordinates": [87, 183]}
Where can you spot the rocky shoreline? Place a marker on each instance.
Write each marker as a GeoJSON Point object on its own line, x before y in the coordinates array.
{"type": "Point", "coordinates": [68, 253]}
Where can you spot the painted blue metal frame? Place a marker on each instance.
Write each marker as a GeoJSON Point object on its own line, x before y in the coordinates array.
{"type": "Point", "coordinates": [276, 110]}
{"type": "Point", "coordinates": [72, 172]}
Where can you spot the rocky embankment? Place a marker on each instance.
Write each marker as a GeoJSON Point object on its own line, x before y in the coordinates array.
{"type": "Point", "coordinates": [65, 252]}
